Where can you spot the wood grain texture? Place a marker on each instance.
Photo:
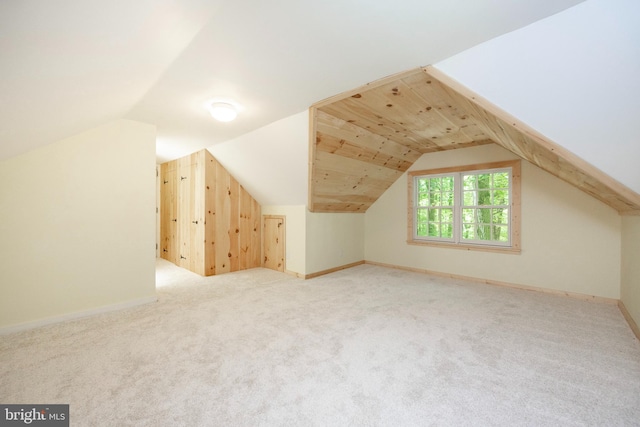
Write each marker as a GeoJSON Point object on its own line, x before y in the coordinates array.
{"type": "Point", "coordinates": [274, 242]}
{"type": "Point", "coordinates": [209, 223]}
{"type": "Point", "coordinates": [534, 147]}
{"type": "Point", "coordinates": [168, 211]}
{"type": "Point", "coordinates": [223, 221]}
{"type": "Point", "coordinates": [211, 166]}
{"type": "Point", "coordinates": [357, 137]}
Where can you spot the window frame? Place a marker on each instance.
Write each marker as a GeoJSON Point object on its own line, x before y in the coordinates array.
{"type": "Point", "coordinates": [514, 246]}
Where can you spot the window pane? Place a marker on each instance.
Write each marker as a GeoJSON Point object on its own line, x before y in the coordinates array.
{"type": "Point", "coordinates": [470, 198]}
{"type": "Point", "coordinates": [447, 183]}
{"type": "Point", "coordinates": [446, 215]}
{"type": "Point", "coordinates": [501, 197]}
{"type": "Point", "coordinates": [501, 180]}
{"type": "Point", "coordinates": [447, 230]}
{"type": "Point", "coordinates": [468, 215]}
{"type": "Point", "coordinates": [484, 180]}
{"type": "Point", "coordinates": [484, 212]}
{"type": "Point", "coordinates": [484, 197]}
{"type": "Point", "coordinates": [434, 184]}
{"type": "Point", "coordinates": [500, 216]}
{"type": "Point", "coordinates": [468, 231]}
{"type": "Point", "coordinates": [469, 182]}
{"type": "Point", "coordinates": [484, 216]}
{"type": "Point", "coordinates": [483, 232]}
{"type": "Point", "coordinates": [501, 234]}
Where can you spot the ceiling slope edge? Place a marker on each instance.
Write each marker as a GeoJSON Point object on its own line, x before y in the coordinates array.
{"type": "Point", "coordinates": [530, 145]}
{"type": "Point", "coordinates": [362, 140]}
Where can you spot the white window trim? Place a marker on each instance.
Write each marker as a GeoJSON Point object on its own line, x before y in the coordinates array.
{"type": "Point", "coordinates": [514, 244]}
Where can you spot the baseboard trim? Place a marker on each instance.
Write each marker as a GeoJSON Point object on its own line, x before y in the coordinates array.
{"type": "Point", "coordinates": [627, 316]}
{"type": "Point", "coordinates": [584, 297]}
{"type": "Point", "coordinates": [6, 330]}
{"type": "Point", "coordinates": [332, 270]}
{"type": "Point", "coordinates": [293, 273]}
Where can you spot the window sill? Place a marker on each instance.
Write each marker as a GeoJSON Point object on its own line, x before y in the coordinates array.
{"type": "Point", "coordinates": [467, 247]}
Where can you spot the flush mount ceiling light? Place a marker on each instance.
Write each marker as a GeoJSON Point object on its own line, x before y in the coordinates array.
{"type": "Point", "coordinates": [223, 111]}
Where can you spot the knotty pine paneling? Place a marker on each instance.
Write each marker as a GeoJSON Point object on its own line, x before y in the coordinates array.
{"type": "Point", "coordinates": [363, 139]}
{"type": "Point", "coordinates": [216, 224]}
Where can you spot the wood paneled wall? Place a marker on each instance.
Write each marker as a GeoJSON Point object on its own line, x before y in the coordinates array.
{"type": "Point", "coordinates": [209, 223]}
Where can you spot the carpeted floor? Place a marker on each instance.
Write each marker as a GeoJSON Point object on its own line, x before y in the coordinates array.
{"type": "Point", "coordinates": [366, 346]}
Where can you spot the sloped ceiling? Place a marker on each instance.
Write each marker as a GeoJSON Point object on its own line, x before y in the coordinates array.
{"type": "Point", "coordinates": [69, 65]}
{"type": "Point", "coordinates": [573, 77]}
{"type": "Point", "coordinates": [567, 68]}
{"type": "Point", "coordinates": [365, 139]}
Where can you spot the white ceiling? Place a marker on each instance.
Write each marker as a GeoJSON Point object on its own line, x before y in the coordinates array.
{"type": "Point", "coordinates": [574, 77]}
{"type": "Point", "coordinates": [69, 65]}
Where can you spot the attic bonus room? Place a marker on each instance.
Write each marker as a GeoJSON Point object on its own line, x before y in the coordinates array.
{"type": "Point", "coordinates": [218, 212]}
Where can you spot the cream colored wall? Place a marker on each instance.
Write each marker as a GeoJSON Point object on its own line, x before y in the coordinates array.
{"type": "Point", "coordinates": [630, 288]}
{"type": "Point", "coordinates": [333, 240]}
{"type": "Point", "coordinates": [295, 235]}
{"type": "Point", "coordinates": [570, 241]}
{"type": "Point", "coordinates": [271, 162]}
{"type": "Point", "coordinates": [319, 241]}
{"type": "Point", "coordinates": [78, 225]}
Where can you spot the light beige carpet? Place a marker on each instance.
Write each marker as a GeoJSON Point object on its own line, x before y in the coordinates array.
{"type": "Point", "coordinates": [366, 346]}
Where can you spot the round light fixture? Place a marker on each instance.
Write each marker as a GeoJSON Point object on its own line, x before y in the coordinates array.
{"type": "Point", "coordinates": [223, 111]}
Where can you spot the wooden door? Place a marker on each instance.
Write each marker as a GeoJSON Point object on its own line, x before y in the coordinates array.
{"type": "Point", "coordinates": [273, 238]}
{"type": "Point", "coordinates": [187, 219]}
{"type": "Point", "coordinates": [168, 212]}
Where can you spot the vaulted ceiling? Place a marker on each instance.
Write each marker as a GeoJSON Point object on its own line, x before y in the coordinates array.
{"type": "Point", "coordinates": [363, 140]}
{"type": "Point", "coordinates": [69, 65]}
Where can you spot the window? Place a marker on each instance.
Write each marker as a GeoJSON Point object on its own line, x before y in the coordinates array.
{"type": "Point", "coordinates": [471, 207]}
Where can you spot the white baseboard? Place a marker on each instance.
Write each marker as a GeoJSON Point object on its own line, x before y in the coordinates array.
{"type": "Point", "coordinates": [6, 330]}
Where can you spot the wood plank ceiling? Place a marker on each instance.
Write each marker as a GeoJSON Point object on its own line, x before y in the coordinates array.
{"type": "Point", "coordinates": [362, 141]}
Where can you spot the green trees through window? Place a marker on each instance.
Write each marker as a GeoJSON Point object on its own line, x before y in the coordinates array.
{"type": "Point", "coordinates": [463, 206]}
{"type": "Point", "coordinates": [485, 206]}
{"type": "Point", "coordinates": [435, 201]}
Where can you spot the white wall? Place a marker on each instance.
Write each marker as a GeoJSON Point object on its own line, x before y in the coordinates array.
{"type": "Point", "coordinates": [271, 163]}
{"type": "Point", "coordinates": [630, 288]}
{"type": "Point", "coordinates": [570, 241]}
{"type": "Point", "coordinates": [573, 77]}
{"type": "Point", "coordinates": [295, 235]}
{"type": "Point", "coordinates": [333, 240]}
{"type": "Point", "coordinates": [78, 225]}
